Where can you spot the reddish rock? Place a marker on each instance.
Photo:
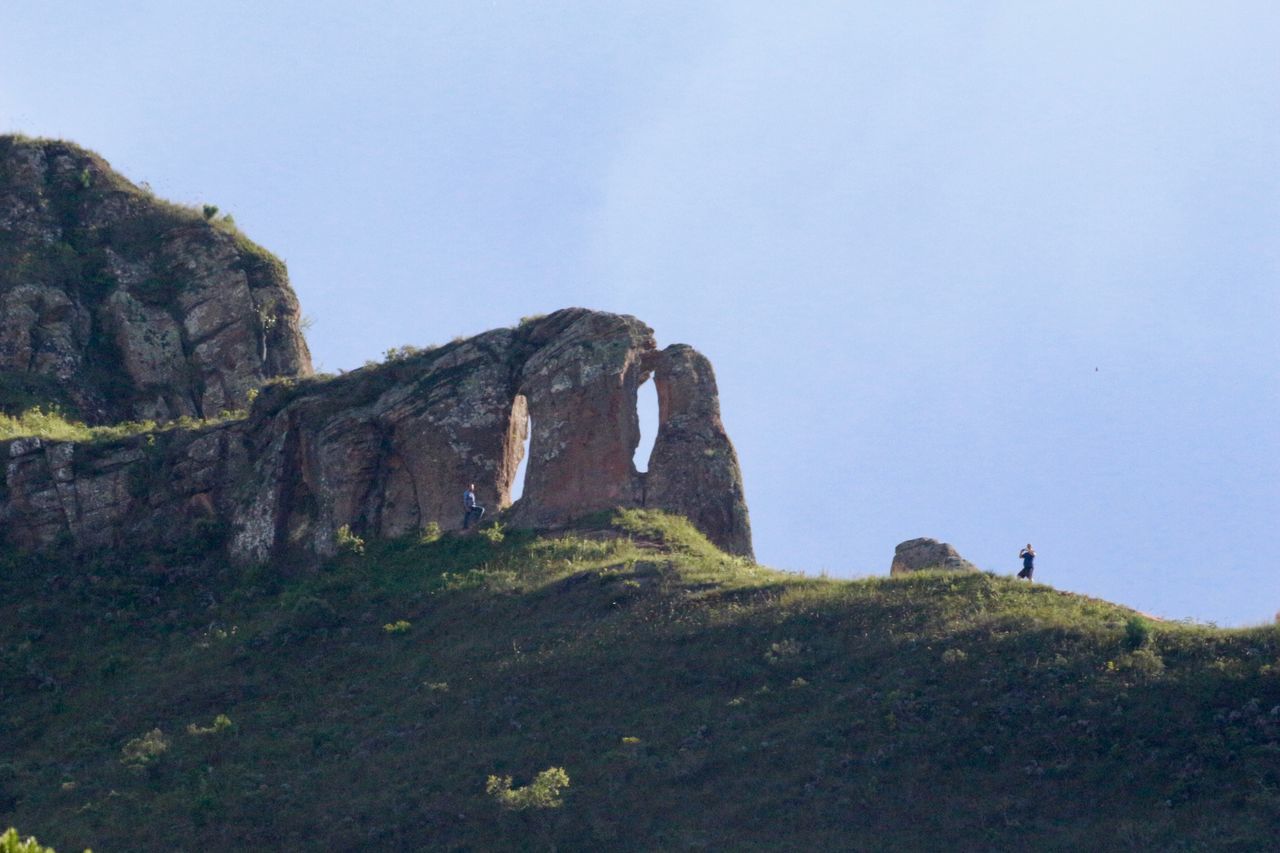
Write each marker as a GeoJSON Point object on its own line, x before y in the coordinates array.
{"type": "Point", "coordinates": [387, 450]}
{"type": "Point", "coordinates": [693, 470]}
{"type": "Point", "coordinates": [121, 306]}
{"type": "Point", "coordinates": [580, 384]}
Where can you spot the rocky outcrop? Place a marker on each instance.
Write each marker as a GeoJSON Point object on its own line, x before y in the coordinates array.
{"type": "Point", "coordinates": [120, 306]}
{"type": "Point", "coordinates": [579, 383]}
{"type": "Point", "coordinates": [916, 555]}
{"type": "Point", "coordinates": [693, 470]}
{"type": "Point", "coordinates": [387, 450]}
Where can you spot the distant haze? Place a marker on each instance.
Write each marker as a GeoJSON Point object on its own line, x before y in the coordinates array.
{"type": "Point", "coordinates": [990, 273]}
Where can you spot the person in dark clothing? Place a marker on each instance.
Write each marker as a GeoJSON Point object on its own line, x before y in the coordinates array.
{"type": "Point", "coordinates": [1028, 555]}
{"type": "Point", "coordinates": [472, 509]}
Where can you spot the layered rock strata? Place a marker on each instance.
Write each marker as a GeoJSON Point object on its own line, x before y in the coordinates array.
{"type": "Point", "coordinates": [118, 305]}
{"type": "Point", "coordinates": [387, 450]}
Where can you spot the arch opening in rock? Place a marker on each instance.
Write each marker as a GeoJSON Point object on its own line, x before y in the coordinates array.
{"type": "Point", "coordinates": [520, 446]}
{"type": "Point", "coordinates": [647, 413]}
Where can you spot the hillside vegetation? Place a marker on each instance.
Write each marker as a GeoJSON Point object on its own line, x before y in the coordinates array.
{"type": "Point", "coordinates": [622, 685]}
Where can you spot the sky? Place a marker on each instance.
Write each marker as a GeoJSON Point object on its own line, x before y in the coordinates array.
{"type": "Point", "coordinates": [986, 272]}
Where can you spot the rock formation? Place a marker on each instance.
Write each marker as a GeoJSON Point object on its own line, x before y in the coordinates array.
{"type": "Point", "coordinates": [388, 449]}
{"type": "Point", "coordinates": [916, 555]}
{"type": "Point", "coordinates": [117, 305]}
{"type": "Point", "coordinates": [693, 470]}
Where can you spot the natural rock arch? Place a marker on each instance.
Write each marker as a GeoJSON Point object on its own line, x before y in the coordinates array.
{"type": "Point", "coordinates": [387, 450]}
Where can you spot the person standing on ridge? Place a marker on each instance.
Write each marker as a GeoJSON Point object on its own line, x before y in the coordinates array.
{"type": "Point", "coordinates": [1028, 555]}
{"type": "Point", "coordinates": [472, 509]}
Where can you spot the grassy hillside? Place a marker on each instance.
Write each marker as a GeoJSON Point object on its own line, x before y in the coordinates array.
{"type": "Point", "coordinates": [694, 701]}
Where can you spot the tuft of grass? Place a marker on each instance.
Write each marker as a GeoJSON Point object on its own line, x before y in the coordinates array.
{"type": "Point", "coordinates": [348, 542]}
{"type": "Point", "coordinates": [36, 422]}
{"type": "Point", "coordinates": [54, 425]}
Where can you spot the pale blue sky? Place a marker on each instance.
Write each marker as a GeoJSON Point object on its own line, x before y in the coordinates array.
{"type": "Point", "coordinates": [989, 272]}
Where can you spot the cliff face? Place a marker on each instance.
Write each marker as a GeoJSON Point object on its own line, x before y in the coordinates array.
{"type": "Point", "coordinates": [120, 306]}
{"type": "Point", "coordinates": [389, 449]}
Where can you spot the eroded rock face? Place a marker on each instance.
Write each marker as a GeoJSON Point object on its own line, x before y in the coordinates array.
{"type": "Point", "coordinates": [131, 307]}
{"type": "Point", "coordinates": [580, 384]}
{"type": "Point", "coordinates": [693, 470]}
{"type": "Point", "coordinates": [387, 450]}
{"type": "Point", "coordinates": [918, 554]}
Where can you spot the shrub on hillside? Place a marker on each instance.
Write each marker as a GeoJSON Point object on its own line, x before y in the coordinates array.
{"type": "Point", "coordinates": [1137, 632]}
{"type": "Point", "coordinates": [1142, 664]}
{"type": "Point", "coordinates": [542, 793]}
{"type": "Point", "coordinates": [403, 353]}
{"type": "Point", "coordinates": [221, 723]}
{"type": "Point", "coordinates": [348, 542]}
{"type": "Point", "coordinates": [144, 751]}
{"type": "Point", "coordinates": [10, 842]}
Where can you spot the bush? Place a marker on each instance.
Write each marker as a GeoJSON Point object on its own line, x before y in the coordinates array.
{"type": "Point", "coordinates": [1137, 632]}
{"type": "Point", "coordinates": [348, 542]}
{"type": "Point", "coordinates": [10, 842]}
{"type": "Point", "coordinates": [220, 724]}
{"type": "Point", "coordinates": [144, 751]}
{"type": "Point", "coordinates": [494, 533]}
{"type": "Point", "coordinates": [542, 793]}
{"type": "Point", "coordinates": [430, 533]}
{"type": "Point", "coordinates": [401, 353]}
{"type": "Point", "coordinates": [1143, 664]}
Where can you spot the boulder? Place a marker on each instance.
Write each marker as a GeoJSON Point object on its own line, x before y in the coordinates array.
{"type": "Point", "coordinates": [916, 555]}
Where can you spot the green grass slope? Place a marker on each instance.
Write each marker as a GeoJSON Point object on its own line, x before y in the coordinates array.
{"type": "Point", "coordinates": [692, 700]}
